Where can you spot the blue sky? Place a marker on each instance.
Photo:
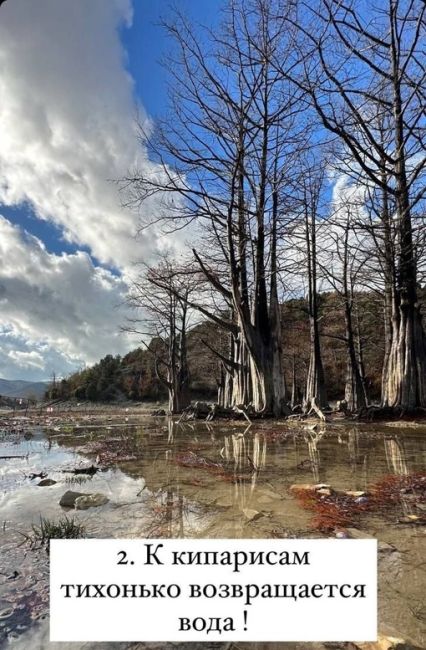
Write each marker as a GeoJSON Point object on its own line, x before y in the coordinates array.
{"type": "Point", "coordinates": [146, 44]}
{"type": "Point", "coordinates": [67, 119]}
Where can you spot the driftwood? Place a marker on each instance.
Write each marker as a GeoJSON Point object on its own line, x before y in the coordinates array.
{"type": "Point", "coordinates": [209, 412]}
{"type": "Point", "coordinates": [39, 475]}
{"type": "Point", "coordinates": [82, 470]}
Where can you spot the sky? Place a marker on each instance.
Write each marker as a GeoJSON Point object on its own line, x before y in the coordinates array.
{"type": "Point", "coordinates": [73, 78]}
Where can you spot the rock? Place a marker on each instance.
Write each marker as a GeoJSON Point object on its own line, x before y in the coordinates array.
{"type": "Point", "coordinates": [361, 500]}
{"type": "Point", "coordinates": [326, 492]}
{"type": "Point", "coordinates": [46, 481]}
{"type": "Point", "coordinates": [354, 533]}
{"type": "Point", "coordinates": [413, 519]}
{"type": "Point", "coordinates": [387, 643]}
{"type": "Point", "coordinates": [69, 498]}
{"type": "Point", "coordinates": [342, 534]}
{"type": "Point", "coordinates": [90, 501]}
{"type": "Point", "coordinates": [384, 547]}
{"type": "Point", "coordinates": [309, 487]}
{"type": "Point", "coordinates": [251, 514]}
{"type": "Point", "coordinates": [6, 613]}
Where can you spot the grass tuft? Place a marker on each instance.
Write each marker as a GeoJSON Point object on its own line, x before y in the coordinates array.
{"type": "Point", "coordinates": [64, 528]}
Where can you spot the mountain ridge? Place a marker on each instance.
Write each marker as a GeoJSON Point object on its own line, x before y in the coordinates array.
{"type": "Point", "coordinates": [22, 388]}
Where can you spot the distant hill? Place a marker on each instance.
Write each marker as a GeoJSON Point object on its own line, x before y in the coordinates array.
{"type": "Point", "coordinates": [21, 388]}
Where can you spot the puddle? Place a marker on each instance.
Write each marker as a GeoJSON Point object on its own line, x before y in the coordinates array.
{"type": "Point", "coordinates": [215, 480]}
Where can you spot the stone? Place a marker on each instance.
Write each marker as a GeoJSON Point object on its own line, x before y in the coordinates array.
{"type": "Point", "coordinates": [251, 514]}
{"type": "Point", "coordinates": [90, 501]}
{"type": "Point", "coordinates": [46, 482]}
{"type": "Point", "coordinates": [6, 613]}
{"type": "Point", "coordinates": [361, 500]}
{"type": "Point", "coordinates": [387, 643]}
{"type": "Point", "coordinates": [413, 519]}
{"type": "Point", "coordinates": [326, 492]}
{"type": "Point", "coordinates": [354, 533]}
{"type": "Point", "coordinates": [309, 487]}
{"type": "Point", "coordinates": [68, 499]}
{"type": "Point", "coordinates": [384, 547]}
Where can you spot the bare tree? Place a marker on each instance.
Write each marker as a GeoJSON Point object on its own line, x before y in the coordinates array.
{"type": "Point", "coordinates": [302, 241]}
{"type": "Point", "coordinates": [160, 299]}
{"type": "Point", "coordinates": [315, 396]}
{"type": "Point", "coordinates": [359, 61]}
{"type": "Point", "coordinates": [225, 157]}
{"type": "Point", "coordinates": [342, 263]}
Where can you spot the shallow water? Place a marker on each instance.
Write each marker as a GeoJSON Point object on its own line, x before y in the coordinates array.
{"type": "Point", "coordinates": [202, 480]}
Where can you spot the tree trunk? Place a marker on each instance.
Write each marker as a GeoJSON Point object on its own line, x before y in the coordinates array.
{"type": "Point", "coordinates": [241, 382]}
{"type": "Point", "coordinates": [267, 380]}
{"type": "Point", "coordinates": [388, 310]}
{"type": "Point", "coordinates": [315, 385]}
{"type": "Point", "coordinates": [406, 372]}
{"type": "Point", "coordinates": [293, 399]}
{"type": "Point", "coordinates": [405, 385]}
{"type": "Point", "coordinates": [354, 390]}
{"type": "Point", "coordinates": [179, 396]}
{"type": "Point", "coordinates": [360, 358]}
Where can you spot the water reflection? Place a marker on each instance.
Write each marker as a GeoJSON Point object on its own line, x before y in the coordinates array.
{"type": "Point", "coordinates": [216, 480]}
{"type": "Point", "coordinates": [396, 457]}
{"type": "Point", "coordinates": [312, 440]}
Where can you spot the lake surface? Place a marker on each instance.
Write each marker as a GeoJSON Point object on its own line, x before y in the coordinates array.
{"type": "Point", "coordinates": [202, 480]}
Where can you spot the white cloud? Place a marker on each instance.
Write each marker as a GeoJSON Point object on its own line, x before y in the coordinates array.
{"type": "Point", "coordinates": [31, 359]}
{"type": "Point", "coordinates": [60, 311]}
{"type": "Point", "coordinates": [67, 124]}
{"type": "Point", "coordinates": [67, 119]}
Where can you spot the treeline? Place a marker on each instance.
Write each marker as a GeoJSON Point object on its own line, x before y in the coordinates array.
{"type": "Point", "coordinates": [134, 377]}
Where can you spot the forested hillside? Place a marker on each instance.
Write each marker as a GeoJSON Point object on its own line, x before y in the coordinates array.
{"type": "Point", "coordinates": [133, 376]}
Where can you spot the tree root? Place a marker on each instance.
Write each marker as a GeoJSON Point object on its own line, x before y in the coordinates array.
{"type": "Point", "coordinates": [240, 408]}
{"type": "Point", "coordinates": [209, 412]}
{"type": "Point", "coordinates": [316, 409]}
